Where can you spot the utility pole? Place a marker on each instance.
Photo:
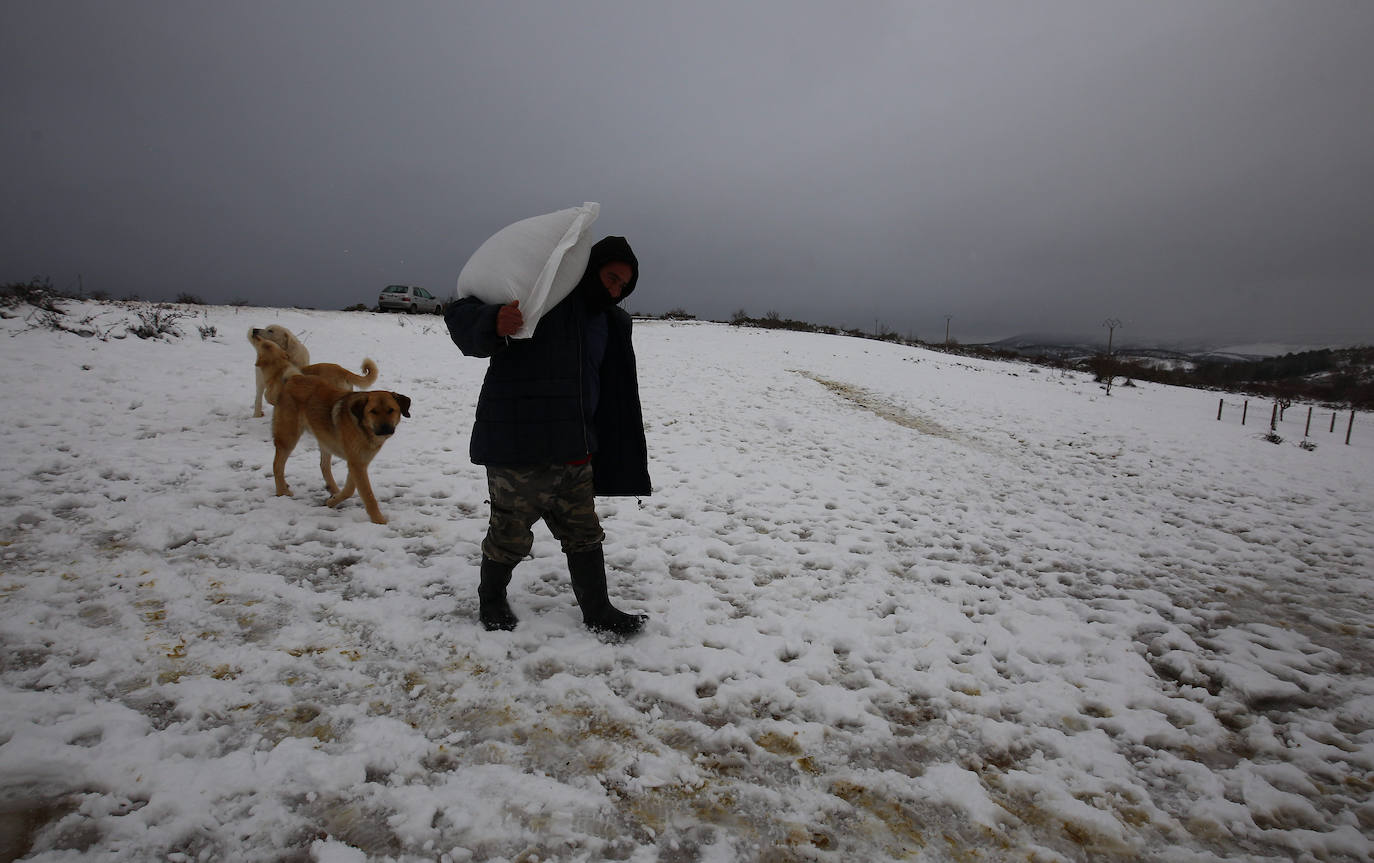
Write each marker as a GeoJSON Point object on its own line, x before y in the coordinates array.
{"type": "Point", "coordinates": [1111, 324]}
{"type": "Point", "coordinates": [947, 317]}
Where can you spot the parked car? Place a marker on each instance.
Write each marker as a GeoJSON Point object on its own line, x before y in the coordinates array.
{"type": "Point", "coordinates": [408, 298]}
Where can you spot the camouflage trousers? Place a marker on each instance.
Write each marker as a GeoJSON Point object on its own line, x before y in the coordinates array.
{"type": "Point", "coordinates": [561, 494]}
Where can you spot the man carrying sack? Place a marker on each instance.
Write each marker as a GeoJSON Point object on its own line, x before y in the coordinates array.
{"type": "Point", "coordinates": [558, 423]}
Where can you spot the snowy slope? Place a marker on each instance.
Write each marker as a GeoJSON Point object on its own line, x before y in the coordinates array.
{"type": "Point", "coordinates": [904, 606]}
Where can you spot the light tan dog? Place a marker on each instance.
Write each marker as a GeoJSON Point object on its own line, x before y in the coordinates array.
{"type": "Point", "coordinates": [352, 426]}
{"type": "Point", "coordinates": [296, 354]}
{"type": "Point", "coordinates": [274, 367]}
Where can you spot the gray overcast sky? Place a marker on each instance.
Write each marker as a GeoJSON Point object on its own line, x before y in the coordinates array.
{"type": "Point", "coordinates": [1199, 168]}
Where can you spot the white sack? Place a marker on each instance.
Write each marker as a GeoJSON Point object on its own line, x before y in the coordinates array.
{"type": "Point", "coordinates": [537, 261]}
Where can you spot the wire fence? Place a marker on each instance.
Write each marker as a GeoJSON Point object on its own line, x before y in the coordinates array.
{"type": "Point", "coordinates": [1273, 413]}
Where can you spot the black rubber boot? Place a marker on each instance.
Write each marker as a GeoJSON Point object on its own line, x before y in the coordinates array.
{"type": "Point", "coordinates": [493, 610]}
{"type": "Point", "coordinates": [588, 570]}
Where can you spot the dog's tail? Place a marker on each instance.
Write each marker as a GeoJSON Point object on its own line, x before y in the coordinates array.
{"type": "Point", "coordinates": [367, 378]}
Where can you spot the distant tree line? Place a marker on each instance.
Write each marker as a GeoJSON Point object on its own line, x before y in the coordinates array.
{"type": "Point", "coordinates": [1270, 368]}
{"type": "Point", "coordinates": [774, 321]}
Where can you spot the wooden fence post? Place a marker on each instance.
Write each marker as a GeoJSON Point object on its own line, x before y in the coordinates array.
{"type": "Point", "coordinates": [1350, 427]}
{"type": "Point", "coordinates": [1308, 427]}
{"type": "Point", "coordinates": [1220, 402]}
{"type": "Point", "coordinates": [1274, 418]}
{"type": "Point", "coordinates": [1333, 423]}
{"type": "Point", "coordinates": [1245, 409]}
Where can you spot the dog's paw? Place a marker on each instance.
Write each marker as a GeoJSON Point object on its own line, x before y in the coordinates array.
{"type": "Point", "coordinates": [378, 518]}
{"type": "Point", "coordinates": [285, 492]}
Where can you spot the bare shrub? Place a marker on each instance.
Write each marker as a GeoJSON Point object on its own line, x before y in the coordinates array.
{"type": "Point", "coordinates": [58, 320]}
{"type": "Point", "coordinates": [38, 293]}
{"type": "Point", "coordinates": [154, 322]}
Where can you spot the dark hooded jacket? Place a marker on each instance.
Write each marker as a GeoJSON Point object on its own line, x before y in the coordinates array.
{"type": "Point", "coordinates": [536, 404]}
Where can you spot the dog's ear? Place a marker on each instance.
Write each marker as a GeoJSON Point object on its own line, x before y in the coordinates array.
{"type": "Point", "coordinates": [356, 407]}
{"type": "Point", "coordinates": [404, 402]}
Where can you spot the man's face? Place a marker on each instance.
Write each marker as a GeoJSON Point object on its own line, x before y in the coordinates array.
{"type": "Point", "coordinates": [616, 277]}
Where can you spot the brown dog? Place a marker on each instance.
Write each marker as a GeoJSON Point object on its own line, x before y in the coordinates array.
{"type": "Point", "coordinates": [274, 366]}
{"type": "Point", "coordinates": [296, 354]}
{"type": "Point", "coordinates": [352, 426]}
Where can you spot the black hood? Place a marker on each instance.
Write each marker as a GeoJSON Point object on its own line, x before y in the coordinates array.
{"type": "Point", "coordinates": [607, 251]}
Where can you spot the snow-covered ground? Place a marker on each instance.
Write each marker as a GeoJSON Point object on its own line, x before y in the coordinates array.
{"type": "Point", "coordinates": [904, 605]}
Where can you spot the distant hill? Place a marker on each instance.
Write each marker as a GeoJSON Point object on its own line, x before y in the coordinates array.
{"type": "Point", "coordinates": [1331, 375]}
